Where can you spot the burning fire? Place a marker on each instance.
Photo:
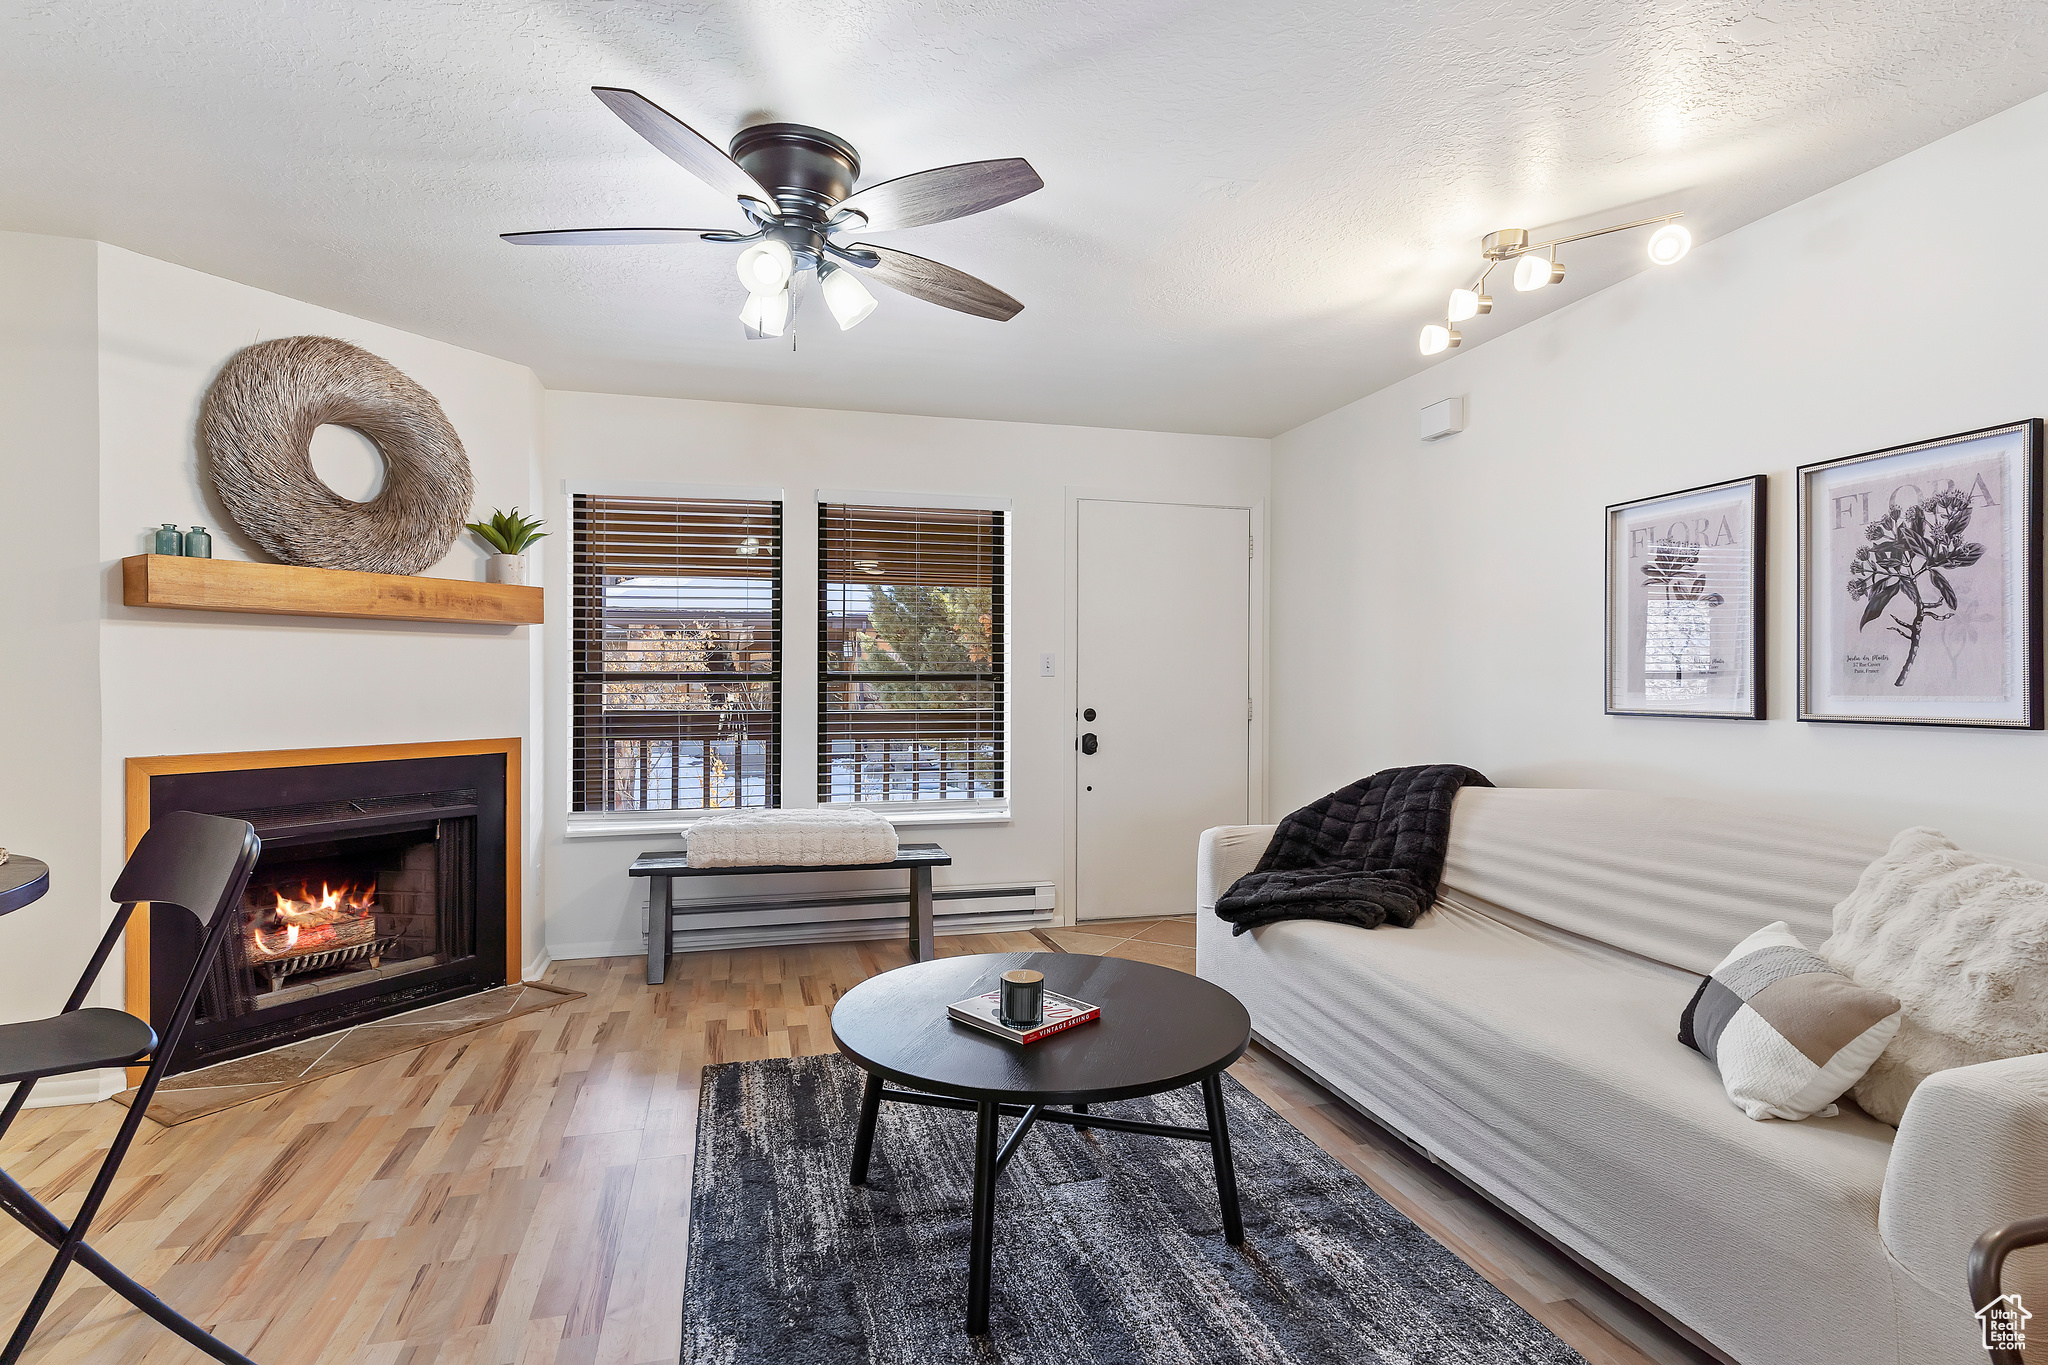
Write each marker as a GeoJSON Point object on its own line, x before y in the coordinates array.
{"type": "Point", "coordinates": [301, 908]}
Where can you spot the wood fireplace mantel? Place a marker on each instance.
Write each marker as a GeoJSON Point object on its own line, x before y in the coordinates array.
{"type": "Point", "coordinates": [290, 590]}
{"type": "Point", "coordinates": [141, 770]}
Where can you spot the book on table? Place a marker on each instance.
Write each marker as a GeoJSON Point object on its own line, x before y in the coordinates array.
{"type": "Point", "coordinates": [1061, 1013]}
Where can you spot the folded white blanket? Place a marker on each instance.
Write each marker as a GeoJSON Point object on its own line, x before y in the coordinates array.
{"type": "Point", "coordinates": [791, 838]}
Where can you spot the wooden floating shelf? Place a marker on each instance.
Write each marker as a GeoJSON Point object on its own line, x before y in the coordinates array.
{"type": "Point", "coordinates": [289, 590]}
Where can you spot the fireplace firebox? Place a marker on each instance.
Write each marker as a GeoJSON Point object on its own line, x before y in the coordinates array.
{"type": "Point", "coordinates": [382, 887]}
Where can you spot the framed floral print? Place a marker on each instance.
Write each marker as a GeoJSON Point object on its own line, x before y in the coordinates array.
{"type": "Point", "coordinates": [1920, 583]}
{"type": "Point", "coordinates": [1685, 603]}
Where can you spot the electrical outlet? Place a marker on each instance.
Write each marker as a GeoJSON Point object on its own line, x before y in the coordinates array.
{"type": "Point", "coordinates": [1045, 669]}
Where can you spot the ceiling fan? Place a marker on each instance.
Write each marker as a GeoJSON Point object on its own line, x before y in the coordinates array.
{"type": "Point", "coordinates": [795, 186]}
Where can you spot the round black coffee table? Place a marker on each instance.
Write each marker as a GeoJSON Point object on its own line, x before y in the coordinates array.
{"type": "Point", "coordinates": [1160, 1030]}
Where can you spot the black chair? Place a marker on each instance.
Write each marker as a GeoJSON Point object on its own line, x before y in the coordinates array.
{"type": "Point", "coordinates": [199, 864]}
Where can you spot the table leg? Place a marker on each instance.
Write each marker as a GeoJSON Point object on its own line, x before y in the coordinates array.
{"type": "Point", "coordinates": [864, 1136]}
{"type": "Point", "coordinates": [1226, 1172]}
{"type": "Point", "coordinates": [921, 949]}
{"type": "Point", "coordinates": [981, 1254]}
{"type": "Point", "coordinates": [658, 935]}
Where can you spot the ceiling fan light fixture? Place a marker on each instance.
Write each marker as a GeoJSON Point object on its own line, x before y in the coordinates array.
{"type": "Point", "coordinates": [766, 267]}
{"type": "Point", "coordinates": [1536, 272]}
{"type": "Point", "coordinates": [847, 297]}
{"type": "Point", "coordinates": [816, 194]}
{"type": "Point", "coordinates": [1668, 243]}
{"type": "Point", "coordinates": [1437, 338]}
{"type": "Point", "coordinates": [768, 313]}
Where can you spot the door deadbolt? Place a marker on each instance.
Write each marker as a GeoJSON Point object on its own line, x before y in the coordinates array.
{"type": "Point", "coordinates": [1088, 743]}
{"type": "Point", "coordinates": [1089, 714]}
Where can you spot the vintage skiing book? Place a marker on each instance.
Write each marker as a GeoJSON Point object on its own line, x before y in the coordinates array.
{"type": "Point", "coordinates": [985, 1012]}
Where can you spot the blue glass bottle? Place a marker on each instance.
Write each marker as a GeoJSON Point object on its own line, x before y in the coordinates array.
{"type": "Point", "coordinates": [198, 544]}
{"type": "Point", "coordinates": [168, 541]}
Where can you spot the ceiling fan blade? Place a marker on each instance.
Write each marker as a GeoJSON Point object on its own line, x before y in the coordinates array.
{"type": "Point", "coordinates": [938, 195]}
{"type": "Point", "coordinates": [682, 144]}
{"type": "Point", "coordinates": [613, 236]}
{"type": "Point", "coordinates": [940, 284]}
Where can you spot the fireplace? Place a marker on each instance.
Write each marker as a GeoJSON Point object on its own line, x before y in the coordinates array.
{"type": "Point", "coordinates": [387, 882]}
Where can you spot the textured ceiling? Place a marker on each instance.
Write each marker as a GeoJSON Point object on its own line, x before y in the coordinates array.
{"type": "Point", "coordinates": [1249, 208]}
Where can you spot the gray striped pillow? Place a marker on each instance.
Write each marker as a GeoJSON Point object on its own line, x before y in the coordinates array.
{"type": "Point", "coordinates": [1789, 1033]}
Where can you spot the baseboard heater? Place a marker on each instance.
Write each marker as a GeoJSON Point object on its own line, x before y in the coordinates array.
{"type": "Point", "coordinates": [829, 917]}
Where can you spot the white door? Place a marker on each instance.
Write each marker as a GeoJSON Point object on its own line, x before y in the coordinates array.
{"type": "Point", "coordinates": [1164, 666]}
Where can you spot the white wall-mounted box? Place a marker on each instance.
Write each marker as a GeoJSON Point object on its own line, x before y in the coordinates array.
{"type": "Point", "coordinates": [1443, 419]}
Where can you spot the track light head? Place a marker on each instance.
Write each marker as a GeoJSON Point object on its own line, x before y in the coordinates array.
{"type": "Point", "coordinates": [1437, 338]}
{"type": "Point", "coordinates": [1668, 243]}
{"type": "Point", "coordinates": [1469, 303]}
{"type": "Point", "coordinates": [1536, 272]}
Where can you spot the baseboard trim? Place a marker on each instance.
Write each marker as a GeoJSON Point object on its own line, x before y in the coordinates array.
{"type": "Point", "coordinates": [1692, 1337]}
{"type": "Point", "coordinates": [538, 967]}
{"type": "Point", "coordinates": [87, 1087]}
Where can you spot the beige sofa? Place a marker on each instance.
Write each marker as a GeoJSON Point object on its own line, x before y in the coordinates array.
{"type": "Point", "coordinates": [1525, 1032]}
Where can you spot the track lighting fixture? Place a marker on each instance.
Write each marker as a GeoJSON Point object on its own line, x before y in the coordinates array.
{"type": "Point", "coordinates": [1537, 267]}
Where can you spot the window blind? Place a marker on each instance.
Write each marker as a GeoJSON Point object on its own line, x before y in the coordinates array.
{"type": "Point", "coordinates": [910, 654]}
{"type": "Point", "coordinates": [676, 668]}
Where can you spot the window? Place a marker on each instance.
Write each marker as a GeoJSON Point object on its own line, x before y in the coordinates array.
{"type": "Point", "coordinates": [676, 668]}
{"type": "Point", "coordinates": [910, 655]}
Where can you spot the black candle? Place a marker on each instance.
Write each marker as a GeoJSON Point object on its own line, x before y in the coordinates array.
{"type": "Point", "coordinates": [1023, 998]}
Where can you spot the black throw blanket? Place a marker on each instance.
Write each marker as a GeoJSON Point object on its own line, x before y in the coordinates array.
{"type": "Point", "coordinates": [1370, 854]}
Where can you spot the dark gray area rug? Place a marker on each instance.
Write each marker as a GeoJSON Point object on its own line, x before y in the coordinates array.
{"type": "Point", "coordinates": [1109, 1246]}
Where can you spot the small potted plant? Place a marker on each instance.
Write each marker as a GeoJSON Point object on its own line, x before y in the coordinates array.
{"type": "Point", "coordinates": [508, 534]}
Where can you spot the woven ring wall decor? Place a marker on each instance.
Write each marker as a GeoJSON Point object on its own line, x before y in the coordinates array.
{"type": "Point", "coordinates": [256, 426]}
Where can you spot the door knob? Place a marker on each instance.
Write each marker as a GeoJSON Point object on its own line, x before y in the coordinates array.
{"type": "Point", "coordinates": [1089, 714]}
{"type": "Point", "coordinates": [1088, 743]}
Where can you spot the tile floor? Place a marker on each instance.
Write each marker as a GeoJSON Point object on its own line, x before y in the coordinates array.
{"type": "Point", "coordinates": [1166, 942]}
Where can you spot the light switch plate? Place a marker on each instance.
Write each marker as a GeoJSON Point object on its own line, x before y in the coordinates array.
{"type": "Point", "coordinates": [1045, 668]}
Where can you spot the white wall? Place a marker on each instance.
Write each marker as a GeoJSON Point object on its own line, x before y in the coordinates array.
{"type": "Point", "coordinates": [1442, 602]}
{"type": "Point", "coordinates": [591, 908]}
{"type": "Point", "coordinates": [200, 682]}
{"type": "Point", "coordinates": [49, 610]}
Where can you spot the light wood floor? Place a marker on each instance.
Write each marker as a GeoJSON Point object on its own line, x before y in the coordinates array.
{"type": "Point", "coordinates": [520, 1195]}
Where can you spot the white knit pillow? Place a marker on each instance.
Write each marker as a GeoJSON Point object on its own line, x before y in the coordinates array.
{"type": "Point", "coordinates": [824, 837]}
{"type": "Point", "coordinates": [1963, 942]}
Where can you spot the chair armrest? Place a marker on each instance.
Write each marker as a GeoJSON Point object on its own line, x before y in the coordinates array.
{"type": "Point", "coordinates": [1226, 853]}
{"type": "Point", "coordinates": [1987, 1266]}
{"type": "Point", "coordinates": [1972, 1154]}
